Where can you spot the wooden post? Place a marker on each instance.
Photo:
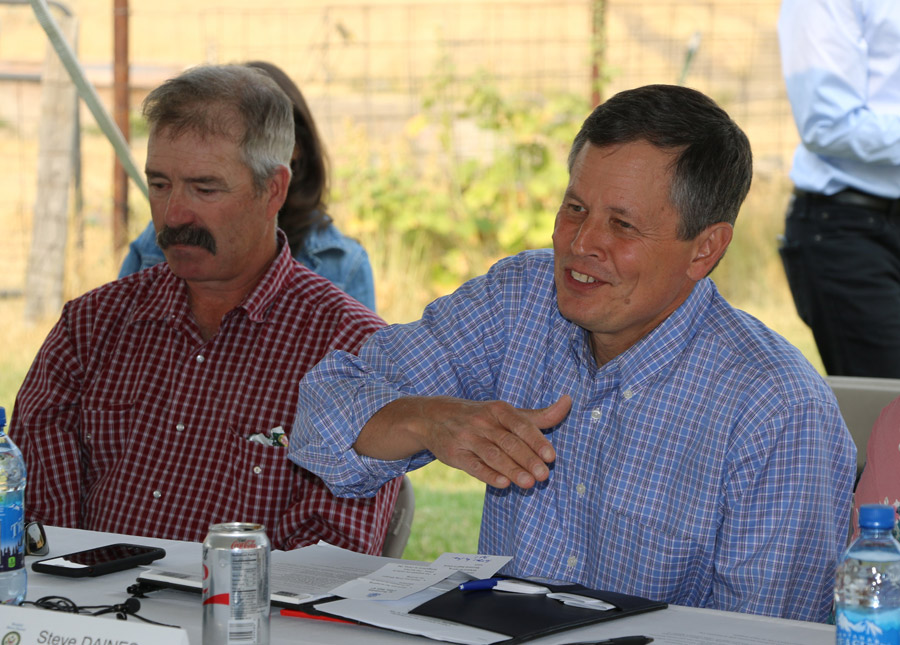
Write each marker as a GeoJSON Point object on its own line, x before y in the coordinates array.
{"type": "Point", "coordinates": [598, 51]}
{"type": "Point", "coordinates": [47, 257]}
{"type": "Point", "coordinates": [121, 113]}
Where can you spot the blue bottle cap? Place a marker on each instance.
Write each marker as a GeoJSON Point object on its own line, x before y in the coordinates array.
{"type": "Point", "coordinates": [876, 516]}
{"type": "Point", "coordinates": [2, 417]}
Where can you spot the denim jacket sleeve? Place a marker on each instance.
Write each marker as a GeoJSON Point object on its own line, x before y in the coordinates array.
{"type": "Point", "coordinates": [143, 253]}
{"type": "Point", "coordinates": [341, 260]}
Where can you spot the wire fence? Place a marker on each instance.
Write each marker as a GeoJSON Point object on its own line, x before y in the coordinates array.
{"type": "Point", "coordinates": [365, 68]}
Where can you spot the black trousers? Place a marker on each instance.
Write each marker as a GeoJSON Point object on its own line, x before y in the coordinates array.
{"type": "Point", "coordinates": [843, 266]}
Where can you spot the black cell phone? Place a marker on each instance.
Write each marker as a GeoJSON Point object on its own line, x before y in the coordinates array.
{"type": "Point", "coordinates": [99, 560]}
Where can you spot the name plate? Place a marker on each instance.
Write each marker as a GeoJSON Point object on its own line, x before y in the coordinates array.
{"type": "Point", "coordinates": [33, 626]}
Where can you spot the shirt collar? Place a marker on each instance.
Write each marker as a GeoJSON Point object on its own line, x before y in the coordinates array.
{"type": "Point", "coordinates": [167, 296]}
{"type": "Point", "coordinates": [259, 302]}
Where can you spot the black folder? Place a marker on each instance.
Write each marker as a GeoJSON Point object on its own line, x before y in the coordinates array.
{"type": "Point", "coordinates": [527, 616]}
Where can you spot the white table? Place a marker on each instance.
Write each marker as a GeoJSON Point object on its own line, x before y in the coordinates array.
{"type": "Point", "coordinates": [672, 626]}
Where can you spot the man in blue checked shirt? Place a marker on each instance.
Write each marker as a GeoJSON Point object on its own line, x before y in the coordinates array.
{"type": "Point", "coordinates": [636, 433]}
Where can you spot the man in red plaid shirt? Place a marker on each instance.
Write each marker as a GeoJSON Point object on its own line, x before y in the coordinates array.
{"type": "Point", "coordinates": [157, 403]}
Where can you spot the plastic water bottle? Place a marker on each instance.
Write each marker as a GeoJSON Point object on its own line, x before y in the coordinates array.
{"type": "Point", "coordinates": [13, 577]}
{"type": "Point", "coordinates": [867, 592]}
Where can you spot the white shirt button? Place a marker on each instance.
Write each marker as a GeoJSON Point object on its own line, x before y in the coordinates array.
{"type": "Point", "coordinates": [628, 394]}
{"type": "Point", "coordinates": [257, 470]}
{"type": "Point", "coordinates": [596, 414]}
{"type": "Point", "coordinates": [179, 427]}
{"type": "Point", "coordinates": [572, 561]}
{"type": "Point", "coordinates": [157, 494]}
{"type": "Point", "coordinates": [581, 489]}
{"type": "Point", "coordinates": [200, 358]}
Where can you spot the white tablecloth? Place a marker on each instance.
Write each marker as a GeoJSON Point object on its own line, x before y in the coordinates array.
{"type": "Point", "coordinates": [672, 626]}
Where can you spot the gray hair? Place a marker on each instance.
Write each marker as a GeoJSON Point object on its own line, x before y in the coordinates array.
{"type": "Point", "coordinates": [713, 165]}
{"type": "Point", "coordinates": [240, 103]}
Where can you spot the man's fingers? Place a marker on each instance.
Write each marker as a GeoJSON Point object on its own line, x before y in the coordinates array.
{"type": "Point", "coordinates": [472, 456]}
{"type": "Point", "coordinates": [511, 456]}
{"type": "Point", "coordinates": [493, 455]}
{"type": "Point", "coordinates": [516, 446]}
{"type": "Point", "coordinates": [553, 414]}
{"type": "Point", "coordinates": [497, 443]}
{"type": "Point", "coordinates": [530, 431]}
{"type": "Point", "coordinates": [475, 466]}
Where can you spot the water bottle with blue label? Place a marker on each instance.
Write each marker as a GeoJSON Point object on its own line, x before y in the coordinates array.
{"type": "Point", "coordinates": [13, 578]}
{"type": "Point", "coordinates": [867, 590]}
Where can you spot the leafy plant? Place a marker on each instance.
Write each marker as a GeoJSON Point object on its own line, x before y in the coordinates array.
{"type": "Point", "coordinates": [489, 186]}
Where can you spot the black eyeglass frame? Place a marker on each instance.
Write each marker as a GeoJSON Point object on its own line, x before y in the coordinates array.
{"type": "Point", "coordinates": [36, 539]}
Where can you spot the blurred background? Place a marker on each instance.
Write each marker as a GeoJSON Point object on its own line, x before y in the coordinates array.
{"type": "Point", "coordinates": [447, 126]}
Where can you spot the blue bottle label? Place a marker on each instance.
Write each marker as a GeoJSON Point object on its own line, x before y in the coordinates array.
{"type": "Point", "coordinates": [12, 534]}
{"type": "Point", "coordinates": [867, 627]}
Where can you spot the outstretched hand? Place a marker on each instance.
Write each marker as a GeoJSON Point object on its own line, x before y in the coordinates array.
{"type": "Point", "coordinates": [492, 441]}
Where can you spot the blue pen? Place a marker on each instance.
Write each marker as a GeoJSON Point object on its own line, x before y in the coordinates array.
{"type": "Point", "coordinates": [504, 584]}
{"type": "Point", "coordinates": [475, 585]}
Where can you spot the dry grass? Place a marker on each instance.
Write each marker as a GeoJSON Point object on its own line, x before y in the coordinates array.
{"type": "Point", "coordinates": [19, 344]}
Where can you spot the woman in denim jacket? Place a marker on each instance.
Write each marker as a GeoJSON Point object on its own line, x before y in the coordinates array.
{"type": "Point", "coordinates": [314, 240]}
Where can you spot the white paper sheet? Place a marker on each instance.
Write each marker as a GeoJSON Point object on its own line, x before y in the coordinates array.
{"type": "Point", "coordinates": [397, 580]}
{"type": "Point", "coordinates": [391, 582]}
{"type": "Point", "coordinates": [301, 575]}
{"type": "Point", "coordinates": [477, 566]}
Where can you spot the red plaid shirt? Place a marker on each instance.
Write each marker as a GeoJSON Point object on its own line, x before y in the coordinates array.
{"type": "Point", "coordinates": [130, 422]}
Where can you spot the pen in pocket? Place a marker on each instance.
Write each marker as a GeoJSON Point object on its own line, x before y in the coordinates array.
{"type": "Point", "coordinates": [276, 437]}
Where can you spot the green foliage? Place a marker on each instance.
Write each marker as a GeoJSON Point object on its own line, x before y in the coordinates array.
{"type": "Point", "coordinates": [488, 185]}
{"type": "Point", "coordinates": [444, 522]}
{"type": "Point", "coordinates": [447, 515]}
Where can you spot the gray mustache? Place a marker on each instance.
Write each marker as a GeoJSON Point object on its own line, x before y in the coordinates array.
{"type": "Point", "coordinates": [186, 235]}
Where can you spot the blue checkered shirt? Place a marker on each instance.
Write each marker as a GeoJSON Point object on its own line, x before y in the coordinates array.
{"type": "Point", "coordinates": [708, 465]}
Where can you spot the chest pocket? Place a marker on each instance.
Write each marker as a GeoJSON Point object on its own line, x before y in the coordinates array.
{"type": "Point", "coordinates": [107, 436]}
{"type": "Point", "coordinates": [670, 560]}
{"type": "Point", "coordinates": [260, 479]}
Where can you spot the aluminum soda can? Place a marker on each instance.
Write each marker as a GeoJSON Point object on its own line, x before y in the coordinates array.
{"type": "Point", "coordinates": [236, 585]}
